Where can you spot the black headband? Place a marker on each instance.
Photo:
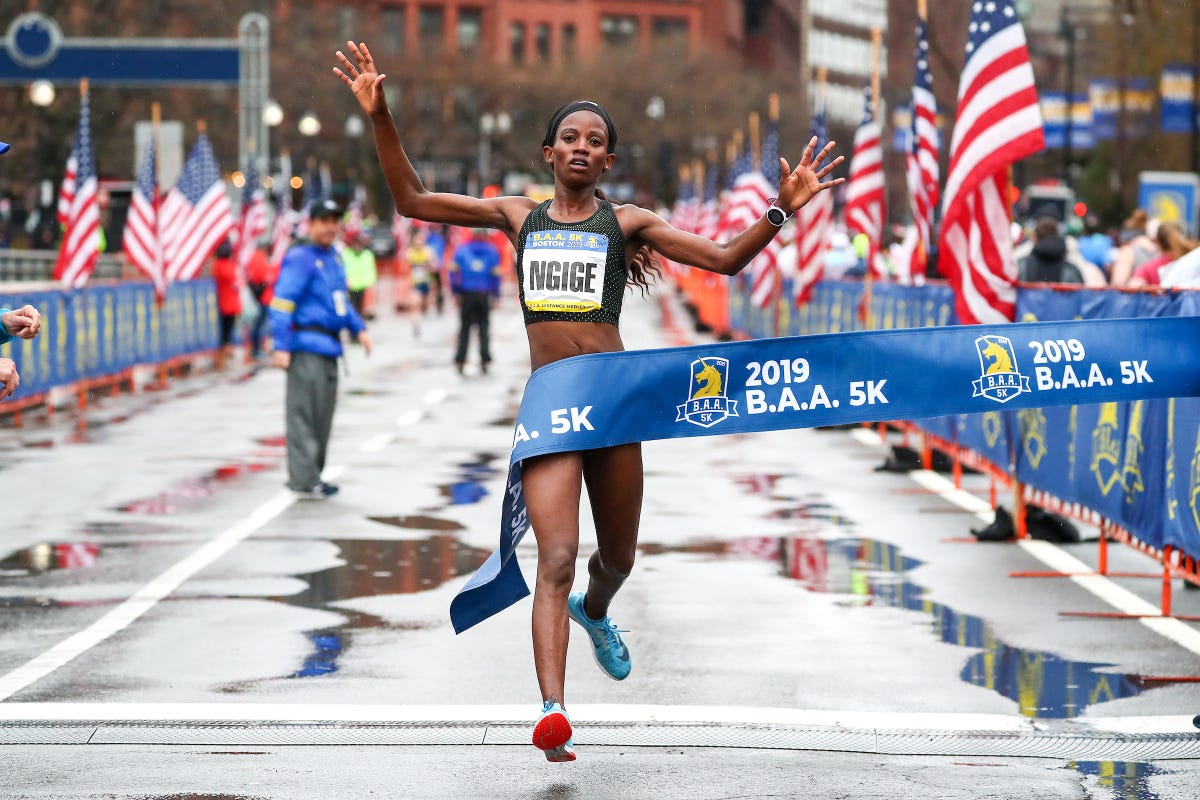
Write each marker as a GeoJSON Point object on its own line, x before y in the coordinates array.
{"type": "Point", "coordinates": [571, 108]}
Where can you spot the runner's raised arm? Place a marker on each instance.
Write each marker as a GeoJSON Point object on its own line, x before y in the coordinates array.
{"type": "Point", "coordinates": [410, 195]}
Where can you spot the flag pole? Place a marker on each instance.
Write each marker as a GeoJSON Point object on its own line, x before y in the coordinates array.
{"type": "Point", "coordinates": [155, 124]}
{"type": "Point", "coordinates": [776, 278]}
{"type": "Point", "coordinates": [755, 144]}
{"type": "Point", "coordinates": [869, 277]}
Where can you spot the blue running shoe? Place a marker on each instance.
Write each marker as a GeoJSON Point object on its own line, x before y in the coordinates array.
{"type": "Point", "coordinates": [553, 734]}
{"type": "Point", "coordinates": [611, 654]}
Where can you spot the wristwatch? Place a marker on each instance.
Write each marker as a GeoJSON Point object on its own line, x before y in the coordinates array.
{"type": "Point", "coordinates": [776, 215]}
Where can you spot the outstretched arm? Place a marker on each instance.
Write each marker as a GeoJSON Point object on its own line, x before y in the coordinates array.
{"type": "Point", "coordinates": [796, 187]}
{"type": "Point", "coordinates": [411, 197]}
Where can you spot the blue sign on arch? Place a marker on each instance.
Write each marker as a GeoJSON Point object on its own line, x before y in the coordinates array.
{"type": "Point", "coordinates": [34, 48]}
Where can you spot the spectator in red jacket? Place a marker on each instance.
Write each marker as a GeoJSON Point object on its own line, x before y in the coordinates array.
{"type": "Point", "coordinates": [229, 298]}
{"type": "Point", "coordinates": [260, 275]}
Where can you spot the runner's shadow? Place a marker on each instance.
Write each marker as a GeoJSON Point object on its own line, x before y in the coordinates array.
{"type": "Point", "coordinates": [557, 791]}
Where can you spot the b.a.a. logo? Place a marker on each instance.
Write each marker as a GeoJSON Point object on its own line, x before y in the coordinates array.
{"type": "Point", "coordinates": [999, 380]}
{"type": "Point", "coordinates": [1135, 448]}
{"type": "Point", "coordinates": [1106, 449]}
{"type": "Point", "coordinates": [707, 402]}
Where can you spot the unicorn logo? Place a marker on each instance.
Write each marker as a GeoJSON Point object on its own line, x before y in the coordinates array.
{"type": "Point", "coordinates": [707, 402]}
{"type": "Point", "coordinates": [999, 378]}
{"type": "Point", "coordinates": [1106, 449]}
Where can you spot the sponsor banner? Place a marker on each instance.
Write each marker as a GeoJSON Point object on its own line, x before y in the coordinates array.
{"type": "Point", "coordinates": [607, 399]}
{"type": "Point", "coordinates": [1178, 109]}
{"type": "Point", "coordinates": [1171, 197]}
{"type": "Point", "coordinates": [1106, 102]}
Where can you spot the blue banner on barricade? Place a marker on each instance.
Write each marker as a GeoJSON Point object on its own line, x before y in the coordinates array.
{"type": "Point", "coordinates": [105, 330]}
{"type": "Point", "coordinates": [606, 399]}
{"type": "Point", "coordinates": [1109, 457]}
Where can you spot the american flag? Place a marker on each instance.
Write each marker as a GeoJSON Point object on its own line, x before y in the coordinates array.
{"type": "Point", "coordinates": [66, 192]}
{"type": "Point", "coordinates": [81, 240]}
{"type": "Point", "coordinates": [814, 222]}
{"type": "Point", "coordinates": [683, 213]}
{"type": "Point", "coordinates": [997, 123]}
{"type": "Point", "coordinates": [252, 221]}
{"type": "Point", "coordinates": [141, 240]}
{"type": "Point", "coordinates": [864, 189]}
{"type": "Point", "coordinates": [196, 215]}
{"type": "Point", "coordinates": [744, 203]}
{"type": "Point", "coordinates": [710, 207]}
{"type": "Point", "coordinates": [764, 269]}
{"type": "Point", "coordinates": [922, 158]}
{"type": "Point", "coordinates": [285, 224]}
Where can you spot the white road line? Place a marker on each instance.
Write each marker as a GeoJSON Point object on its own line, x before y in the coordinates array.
{"type": "Point", "coordinates": [376, 443]}
{"type": "Point", "coordinates": [1060, 560]}
{"type": "Point", "coordinates": [148, 596]}
{"type": "Point", "coordinates": [435, 396]}
{"type": "Point", "coordinates": [598, 713]}
{"type": "Point", "coordinates": [409, 418]}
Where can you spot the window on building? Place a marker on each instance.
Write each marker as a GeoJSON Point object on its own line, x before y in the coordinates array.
{"type": "Point", "coordinates": [431, 27]}
{"type": "Point", "coordinates": [516, 40]}
{"type": "Point", "coordinates": [470, 31]}
{"type": "Point", "coordinates": [541, 40]}
{"type": "Point", "coordinates": [394, 22]}
{"type": "Point", "coordinates": [619, 33]}
{"type": "Point", "coordinates": [670, 36]}
{"type": "Point", "coordinates": [568, 42]}
{"type": "Point", "coordinates": [755, 13]}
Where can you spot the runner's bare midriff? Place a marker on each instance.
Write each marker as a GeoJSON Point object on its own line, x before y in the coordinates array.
{"type": "Point", "coordinates": [552, 341]}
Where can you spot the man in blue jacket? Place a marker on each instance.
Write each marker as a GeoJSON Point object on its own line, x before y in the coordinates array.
{"type": "Point", "coordinates": [310, 309]}
{"type": "Point", "coordinates": [475, 280]}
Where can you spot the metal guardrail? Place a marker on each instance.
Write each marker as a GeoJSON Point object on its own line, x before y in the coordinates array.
{"type": "Point", "coordinates": [20, 266]}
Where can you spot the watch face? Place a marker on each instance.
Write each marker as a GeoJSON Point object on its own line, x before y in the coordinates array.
{"type": "Point", "coordinates": [776, 216]}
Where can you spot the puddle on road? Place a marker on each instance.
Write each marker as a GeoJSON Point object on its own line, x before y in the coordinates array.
{"type": "Point", "coordinates": [373, 567]}
{"type": "Point", "coordinates": [1127, 780]}
{"type": "Point", "coordinates": [420, 522]}
{"type": "Point", "coordinates": [192, 493]}
{"type": "Point", "coordinates": [49, 557]}
{"type": "Point", "coordinates": [468, 487]}
{"type": "Point", "coordinates": [873, 573]}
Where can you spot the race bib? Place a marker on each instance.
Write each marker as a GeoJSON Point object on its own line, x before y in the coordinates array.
{"type": "Point", "coordinates": [564, 271]}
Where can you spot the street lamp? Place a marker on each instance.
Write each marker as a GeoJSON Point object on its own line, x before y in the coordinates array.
{"type": "Point", "coordinates": [309, 126]}
{"type": "Point", "coordinates": [656, 111]}
{"type": "Point", "coordinates": [272, 114]}
{"type": "Point", "coordinates": [490, 125]}
{"type": "Point", "coordinates": [41, 93]}
{"type": "Point", "coordinates": [354, 129]}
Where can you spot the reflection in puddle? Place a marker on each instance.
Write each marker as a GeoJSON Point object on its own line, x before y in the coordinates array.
{"type": "Point", "coordinates": [374, 568]}
{"type": "Point", "coordinates": [420, 522]}
{"type": "Point", "coordinates": [191, 493]}
{"type": "Point", "coordinates": [1042, 684]}
{"type": "Point", "coordinates": [873, 573]}
{"type": "Point", "coordinates": [1126, 779]}
{"type": "Point", "coordinates": [469, 487]}
{"type": "Point", "coordinates": [49, 557]}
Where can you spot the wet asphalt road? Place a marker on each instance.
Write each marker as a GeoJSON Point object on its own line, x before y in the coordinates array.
{"type": "Point", "coordinates": [777, 571]}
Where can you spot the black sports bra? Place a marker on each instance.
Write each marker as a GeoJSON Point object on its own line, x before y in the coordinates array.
{"type": "Point", "coordinates": [572, 271]}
